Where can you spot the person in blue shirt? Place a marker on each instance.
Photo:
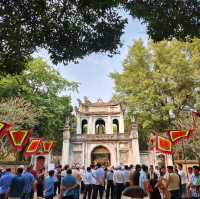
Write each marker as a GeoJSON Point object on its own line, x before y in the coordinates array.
{"type": "Point", "coordinates": [110, 185]}
{"type": "Point", "coordinates": [5, 181]}
{"type": "Point", "coordinates": [68, 185]}
{"type": "Point", "coordinates": [88, 179]}
{"type": "Point", "coordinates": [49, 185]}
{"type": "Point", "coordinates": [29, 181]}
{"type": "Point", "coordinates": [99, 176]}
{"type": "Point", "coordinates": [17, 185]}
{"type": "Point", "coordinates": [126, 176]}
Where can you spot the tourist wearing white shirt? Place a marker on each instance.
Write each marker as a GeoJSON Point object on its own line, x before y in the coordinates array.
{"type": "Point", "coordinates": [119, 182]}
{"type": "Point", "coordinates": [183, 179]}
{"type": "Point", "coordinates": [88, 180]}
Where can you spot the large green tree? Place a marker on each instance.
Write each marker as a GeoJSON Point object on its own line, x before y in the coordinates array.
{"type": "Point", "coordinates": [168, 19]}
{"type": "Point", "coordinates": [157, 82]}
{"type": "Point", "coordinates": [68, 29]}
{"type": "Point", "coordinates": [42, 86]}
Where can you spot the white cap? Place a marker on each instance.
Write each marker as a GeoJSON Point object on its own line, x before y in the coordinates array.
{"type": "Point", "coordinates": [21, 166]}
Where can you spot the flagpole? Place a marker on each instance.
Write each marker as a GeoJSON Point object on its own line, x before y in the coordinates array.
{"type": "Point", "coordinates": [184, 157]}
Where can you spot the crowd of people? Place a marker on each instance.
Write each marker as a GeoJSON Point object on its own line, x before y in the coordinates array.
{"type": "Point", "coordinates": [98, 181]}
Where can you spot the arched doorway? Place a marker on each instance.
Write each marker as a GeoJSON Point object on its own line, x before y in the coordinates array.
{"type": "Point", "coordinates": [100, 127]}
{"type": "Point", "coordinates": [101, 155]}
{"type": "Point", "coordinates": [84, 127]}
{"type": "Point", "coordinates": [115, 126]}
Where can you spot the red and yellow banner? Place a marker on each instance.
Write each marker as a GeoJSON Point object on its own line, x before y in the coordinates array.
{"type": "Point", "coordinates": [33, 147]}
{"type": "Point", "coordinates": [163, 145]}
{"type": "Point", "coordinates": [18, 138]}
{"type": "Point", "coordinates": [3, 128]}
{"type": "Point", "coordinates": [178, 135]}
{"type": "Point", "coordinates": [47, 146]}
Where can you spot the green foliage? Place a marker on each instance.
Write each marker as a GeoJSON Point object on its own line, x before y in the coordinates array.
{"type": "Point", "coordinates": [21, 114]}
{"type": "Point", "coordinates": [190, 149]}
{"type": "Point", "coordinates": [168, 19]}
{"type": "Point", "coordinates": [18, 112]}
{"type": "Point", "coordinates": [157, 80]}
{"type": "Point", "coordinates": [41, 85]}
{"type": "Point", "coordinates": [69, 30]}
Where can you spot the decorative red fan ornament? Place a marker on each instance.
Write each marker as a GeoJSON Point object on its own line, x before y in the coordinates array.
{"type": "Point", "coordinates": [18, 138]}
{"type": "Point", "coordinates": [47, 146]}
{"type": "Point", "coordinates": [178, 135]}
{"type": "Point", "coordinates": [33, 147]}
{"type": "Point", "coordinates": [164, 145]}
{"type": "Point", "coordinates": [3, 128]}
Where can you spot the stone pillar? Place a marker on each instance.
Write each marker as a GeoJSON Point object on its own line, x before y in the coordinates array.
{"type": "Point", "coordinates": [90, 125]}
{"type": "Point", "coordinates": [118, 154]}
{"type": "Point", "coordinates": [135, 144]}
{"type": "Point", "coordinates": [66, 144]}
{"type": "Point", "coordinates": [121, 123]}
{"type": "Point", "coordinates": [109, 125]}
{"type": "Point", "coordinates": [78, 127]}
{"type": "Point", "coordinates": [93, 125]}
{"type": "Point", "coordinates": [83, 162]}
{"type": "Point", "coordinates": [86, 161]}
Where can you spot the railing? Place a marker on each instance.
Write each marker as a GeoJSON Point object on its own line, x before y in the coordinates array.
{"type": "Point", "coordinates": [123, 136]}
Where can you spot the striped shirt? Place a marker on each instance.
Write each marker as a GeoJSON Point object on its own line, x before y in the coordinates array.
{"type": "Point", "coordinates": [194, 180]}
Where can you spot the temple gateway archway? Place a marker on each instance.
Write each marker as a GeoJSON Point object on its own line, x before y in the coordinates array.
{"type": "Point", "coordinates": [100, 136]}
{"type": "Point", "coordinates": [100, 154]}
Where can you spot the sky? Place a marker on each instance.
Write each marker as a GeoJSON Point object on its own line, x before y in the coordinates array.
{"type": "Point", "coordinates": [93, 71]}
